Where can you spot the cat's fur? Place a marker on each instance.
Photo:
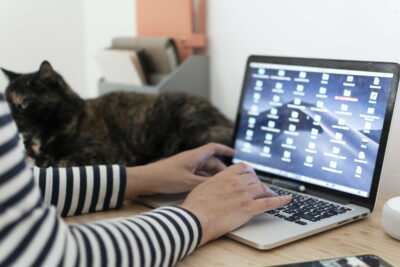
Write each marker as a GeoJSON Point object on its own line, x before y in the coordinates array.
{"type": "Point", "coordinates": [62, 129]}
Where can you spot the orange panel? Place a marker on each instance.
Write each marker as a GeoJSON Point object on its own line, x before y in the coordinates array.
{"type": "Point", "coordinates": [174, 19]}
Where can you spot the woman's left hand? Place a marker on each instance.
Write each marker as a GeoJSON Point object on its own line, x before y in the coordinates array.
{"type": "Point", "coordinates": [176, 174]}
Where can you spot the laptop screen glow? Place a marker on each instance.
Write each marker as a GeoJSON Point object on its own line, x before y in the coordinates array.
{"type": "Point", "coordinates": [317, 125]}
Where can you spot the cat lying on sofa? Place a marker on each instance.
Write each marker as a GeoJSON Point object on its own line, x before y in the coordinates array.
{"type": "Point", "coordinates": [61, 129]}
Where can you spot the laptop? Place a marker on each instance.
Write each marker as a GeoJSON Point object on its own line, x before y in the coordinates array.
{"type": "Point", "coordinates": [316, 129]}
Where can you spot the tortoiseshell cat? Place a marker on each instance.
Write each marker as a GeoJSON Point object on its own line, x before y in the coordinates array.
{"type": "Point", "coordinates": [61, 129]}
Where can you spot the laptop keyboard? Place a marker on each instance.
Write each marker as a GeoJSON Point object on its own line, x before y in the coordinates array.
{"type": "Point", "coordinates": [303, 209]}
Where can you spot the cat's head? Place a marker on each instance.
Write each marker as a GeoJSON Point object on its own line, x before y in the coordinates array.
{"type": "Point", "coordinates": [41, 100]}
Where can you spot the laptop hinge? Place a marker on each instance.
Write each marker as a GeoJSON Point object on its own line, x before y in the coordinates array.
{"type": "Point", "coordinates": [327, 196]}
{"type": "Point", "coordinates": [293, 185]}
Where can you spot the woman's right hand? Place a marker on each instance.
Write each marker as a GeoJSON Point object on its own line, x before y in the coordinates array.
{"type": "Point", "coordinates": [229, 199]}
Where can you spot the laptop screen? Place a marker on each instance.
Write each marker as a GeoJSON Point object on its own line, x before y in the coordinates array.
{"type": "Point", "coordinates": [316, 125]}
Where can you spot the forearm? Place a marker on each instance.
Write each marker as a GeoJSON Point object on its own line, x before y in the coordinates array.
{"type": "Point", "coordinates": [80, 190]}
{"type": "Point", "coordinates": [139, 182]}
{"type": "Point", "coordinates": [40, 237]}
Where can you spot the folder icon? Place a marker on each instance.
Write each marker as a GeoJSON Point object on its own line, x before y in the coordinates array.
{"type": "Point", "coordinates": [292, 128]}
{"type": "Point", "coordinates": [271, 124]}
{"type": "Point", "coordinates": [312, 145]}
{"type": "Point", "coordinates": [268, 137]}
{"type": "Point", "coordinates": [300, 87]}
{"type": "Point", "coordinates": [314, 131]}
{"type": "Point", "coordinates": [347, 93]}
{"type": "Point", "coordinates": [333, 164]}
{"type": "Point", "coordinates": [359, 170]}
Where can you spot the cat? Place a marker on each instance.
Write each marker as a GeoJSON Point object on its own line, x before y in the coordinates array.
{"type": "Point", "coordinates": [60, 129]}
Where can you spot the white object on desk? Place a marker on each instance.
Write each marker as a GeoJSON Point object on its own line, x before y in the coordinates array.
{"type": "Point", "coordinates": [121, 66]}
{"type": "Point", "coordinates": [391, 217]}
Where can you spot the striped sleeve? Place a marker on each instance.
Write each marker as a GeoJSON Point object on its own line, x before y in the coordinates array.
{"type": "Point", "coordinates": [79, 190]}
{"type": "Point", "coordinates": [33, 234]}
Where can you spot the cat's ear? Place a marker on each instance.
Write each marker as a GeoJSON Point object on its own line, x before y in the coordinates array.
{"type": "Point", "coordinates": [10, 75]}
{"type": "Point", "coordinates": [46, 71]}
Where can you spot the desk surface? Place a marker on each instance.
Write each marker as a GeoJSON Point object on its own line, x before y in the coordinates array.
{"type": "Point", "coordinates": [362, 237]}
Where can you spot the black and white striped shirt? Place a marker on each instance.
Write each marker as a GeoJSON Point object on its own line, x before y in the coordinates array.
{"type": "Point", "coordinates": [80, 190]}
{"type": "Point", "coordinates": [33, 233]}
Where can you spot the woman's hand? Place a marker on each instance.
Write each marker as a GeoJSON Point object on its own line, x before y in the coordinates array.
{"type": "Point", "coordinates": [229, 199]}
{"type": "Point", "coordinates": [176, 174]}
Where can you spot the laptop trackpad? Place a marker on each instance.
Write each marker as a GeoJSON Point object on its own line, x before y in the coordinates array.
{"type": "Point", "coordinates": [267, 229]}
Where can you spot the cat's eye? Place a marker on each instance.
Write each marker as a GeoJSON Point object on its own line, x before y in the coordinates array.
{"type": "Point", "coordinates": [23, 105]}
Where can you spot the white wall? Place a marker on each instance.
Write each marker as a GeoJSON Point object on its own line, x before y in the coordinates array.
{"type": "Point", "coordinates": [358, 29]}
{"type": "Point", "coordinates": [340, 29]}
{"type": "Point", "coordinates": [31, 31]}
{"type": "Point", "coordinates": [67, 33]}
{"type": "Point", "coordinates": [104, 20]}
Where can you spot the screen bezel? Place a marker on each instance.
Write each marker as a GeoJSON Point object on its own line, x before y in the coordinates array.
{"type": "Point", "coordinates": [336, 64]}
